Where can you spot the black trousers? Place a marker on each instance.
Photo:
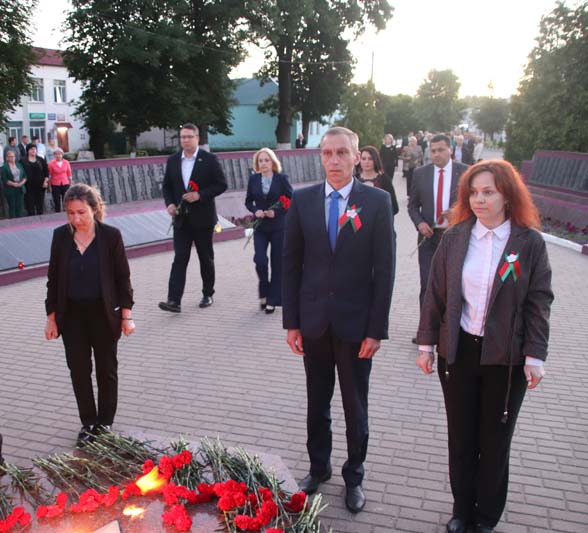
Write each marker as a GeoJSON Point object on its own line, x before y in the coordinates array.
{"type": "Point", "coordinates": [270, 288]}
{"type": "Point", "coordinates": [184, 236]}
{"type": "Point", "coordinates": [86, 330]}
{"type": "Point", "coordinates": [408, 175]}
{"type": "Point", "coordinates": [479, 443]}
{"type": "Point", "coordinates": [426, 252]}
{"type": "Point", "coordinates": [323, 356]}
{"type": "Point", "coordinates": [58, 192]}
{"type": "Point", "coordinates": [35, 201]}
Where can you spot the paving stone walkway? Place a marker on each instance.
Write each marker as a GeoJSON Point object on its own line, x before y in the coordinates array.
{"type": "Point", "coordinates": [227, 371]}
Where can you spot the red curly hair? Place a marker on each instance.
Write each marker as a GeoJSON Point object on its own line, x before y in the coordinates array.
{"type": "Point", "coordinates": [519, 204]}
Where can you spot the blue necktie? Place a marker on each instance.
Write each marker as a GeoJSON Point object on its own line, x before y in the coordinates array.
{"type": "Point", "coordinates": [333, 218]}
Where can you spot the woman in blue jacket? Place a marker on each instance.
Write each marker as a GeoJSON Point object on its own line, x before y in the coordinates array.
{"type": "Point", "coordinates": [264, 190]}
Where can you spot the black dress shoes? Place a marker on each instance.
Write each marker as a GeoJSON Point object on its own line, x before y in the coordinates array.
{"type": "Point", "coordinates": [205, 302]}
{"type": "Point", "coordinates": [354, 499]}
{"type": "Point", "coordinates": [170, 306]}
{"type": "Point", "coordinates": [480, 528]}
{"type": "Point", "coordinates": [413, 340]}
{"type": "Point", "coordinates": [269, 309]}
{"type": "Point", "coordinates": [457, 525]}
{"type": "Point", "coordinates": [311, 483]}
{"type": "Point", "coordinates": [262, 303]}
{"type": "Point", "coordinates": [85, 436]}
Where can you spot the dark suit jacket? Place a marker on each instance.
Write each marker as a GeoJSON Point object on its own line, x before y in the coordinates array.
{"type": "Point", "coordinates": [421, 205]}
{"type": "Point", "coordinates": [22, 150]}
{"type": "Point", "coordinates": [349, 288]}
{"type": "Point", "coordinates": [517, 320]}
{"type": "Point", "coordinates": [209, 176]}
{"type": "Point", "coordinates": [115, 277]}
{"type": "Point", "coordinates": [255, 199]}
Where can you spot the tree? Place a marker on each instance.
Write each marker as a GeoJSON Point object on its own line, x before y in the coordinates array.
{"type": "Point", "coordinates": [550, 110]}
{"type": "Point", "coordinates": [491, 115]}
{"type": "Point", "coordinates": [153, 63]}
{"type": "Point", "coordinates": [399, 113]}
{"type": "Point", "coordinates": [321, 70]}
{"type": "Point", "coordinates": [16, 54]}
{"type": "Point", "coordinates": [437, 104]}
{"type": "Point", "coordinates": [284, 26]}
{"type": "Point", "coordinates": [360, 107]}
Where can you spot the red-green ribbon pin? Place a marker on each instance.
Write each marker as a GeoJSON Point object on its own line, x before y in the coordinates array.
{"type": "Point", "coordinates": [351, 215]}
{"type": "Point", "coordinates": [511, 264]}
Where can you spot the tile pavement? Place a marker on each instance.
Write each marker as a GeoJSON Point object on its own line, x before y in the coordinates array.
{"type": "Point", "coordinates": [227, 371]}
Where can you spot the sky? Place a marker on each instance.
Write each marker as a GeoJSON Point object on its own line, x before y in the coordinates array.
{"type": "Point", "coordinates": [482, 41]}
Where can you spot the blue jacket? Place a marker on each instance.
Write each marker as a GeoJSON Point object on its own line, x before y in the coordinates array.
{"type": "Point", "coordinates": [350, 288]}
{"type": "Point", "coordinates": [255, 199]}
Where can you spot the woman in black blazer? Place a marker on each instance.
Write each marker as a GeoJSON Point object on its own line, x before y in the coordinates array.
{"type": "Point", "coordinates": [89, 302]}
{"type": "Point", "coordinates": [486, 309]}
{"type": "Point", "coordinates": [264, 190]}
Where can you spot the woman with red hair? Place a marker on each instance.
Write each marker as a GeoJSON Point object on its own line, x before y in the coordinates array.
{"type": "Point", "coordinates": [487, 311]}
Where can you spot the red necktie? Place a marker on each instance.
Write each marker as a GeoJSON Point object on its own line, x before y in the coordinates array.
{"type": "Point", "coordinates": [439, 210]}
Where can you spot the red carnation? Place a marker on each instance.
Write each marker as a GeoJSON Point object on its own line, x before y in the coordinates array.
{"type": "Point", "coordinates": [193, 186]}
{"type": "Point", "coordinates": [296, 503]}
{"type": "Point", "coordinates": [148, 466]}
{"type": "Point", "coordinates": [285, 201]}
{"type": "Point", "coordinates": [274, 530]}
{"type": "Point", "coordinates": [131, 489]}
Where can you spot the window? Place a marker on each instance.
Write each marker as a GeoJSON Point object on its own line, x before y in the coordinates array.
{"type": "Point", "coordinates": [15, 130]}
{"type": "Point", "coordinates": [59, 91]}
{"type": "Point", "coordinates": [37, 92]}
{"type": "Point", "coordinates": [37, 129]}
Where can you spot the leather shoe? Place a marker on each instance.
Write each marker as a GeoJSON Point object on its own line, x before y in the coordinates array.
{"type": "Point", "coordinates": [354, 499]}
{"type": "Point", "coordinates": [262, 303]}
{"type": "Point", "coordinates": [413, 340]}
{"type": "Point", "coordinates": [480, 528]}
{"type": "Point", "coordinates": [457, 525]}
{"type": "Point", "coordinates": [85, 436]}
{"type": "Point", "coordinates": [269, 309]}
{"type": "Point", "coordinates": [170, 306]}
{"type": "Point", "coordinates": [311, 483]}
{"type": "Point", "coordinates": [205, 302]}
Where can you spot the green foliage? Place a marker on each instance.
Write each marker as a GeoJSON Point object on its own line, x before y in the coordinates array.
{"type": "Point", "coordinates": [437, 104]}
{"type": "Point", "coordinates": [362, 113]}
{"type": "Point", "coordinates": [399, 113]}
{"type": "Point", "coordinates": [550, 110]}
{"type": "Point", "coordinates": [154, 63]}
{"type": "Point", "coordinates": [16, 54]}
{"type": "Point", "coordinates": [491, 114]}
{"type": "Point", "coordinates": [307, 50]}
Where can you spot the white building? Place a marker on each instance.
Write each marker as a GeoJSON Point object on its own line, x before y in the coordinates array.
{"type": "Point", "coordinates": [48, 111]}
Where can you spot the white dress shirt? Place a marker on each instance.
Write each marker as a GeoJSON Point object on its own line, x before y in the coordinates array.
{"type": "Point", "coordinates": [344, 192]}
{"type": "Point", "coordinates": [485, 250]}
{"type": "Point", "coordinates": [187, 167]}
{"type": "Point", "coordinates": [447, 170]}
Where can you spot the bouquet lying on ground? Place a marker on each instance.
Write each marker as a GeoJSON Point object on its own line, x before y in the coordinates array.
{"type": "Point", "coordinates": [192, 187]}
{"type": "Point", "coordinates": [116, 471]}
{"type": "Point", "coordinates": [283, 202]}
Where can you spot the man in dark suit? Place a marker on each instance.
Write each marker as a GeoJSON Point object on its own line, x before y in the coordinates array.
{"type": "Point", "coordinates": [194, 212]}
{"type": "Point", "coordinates": [338, 273]}
{"type": "Point", "coordinates": [22, 147]}
{"type": "Point", "coordinates": [434, 190]}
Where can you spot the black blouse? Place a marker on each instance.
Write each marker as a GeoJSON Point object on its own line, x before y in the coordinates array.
{"type": "Point", "coordinates": [84, 274]}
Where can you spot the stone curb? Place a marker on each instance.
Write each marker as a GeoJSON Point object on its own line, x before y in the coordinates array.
{"type": "Point", "coordinates": [564, 243]}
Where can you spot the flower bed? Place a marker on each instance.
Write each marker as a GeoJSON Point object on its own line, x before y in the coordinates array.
{"type": "Point", "coordinates": [565, 230]}
{"type": "Point", "coordinates": [115, 472]}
